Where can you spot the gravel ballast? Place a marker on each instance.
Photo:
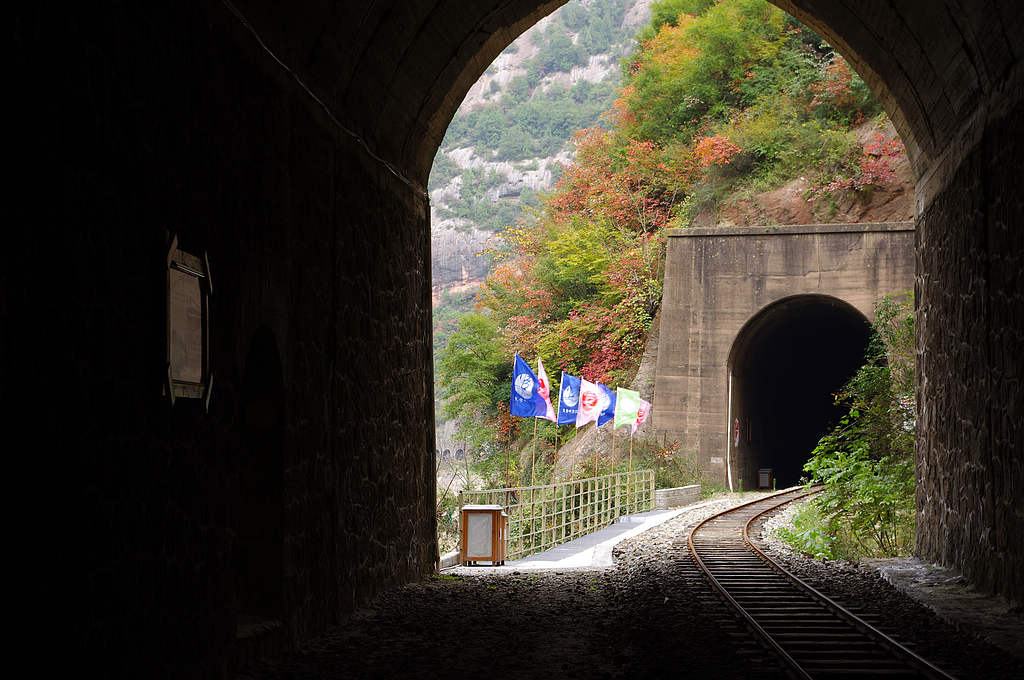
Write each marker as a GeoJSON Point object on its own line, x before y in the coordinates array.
{"type": "Point", "coordinates": [650, 616]}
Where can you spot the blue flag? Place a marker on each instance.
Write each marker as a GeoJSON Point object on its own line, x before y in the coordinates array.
{"type": "Point", "coordinates": [525, 401]}
{"type": "Point", "coordinates": [609, 412]}
{"type": "Point", "coordinates": [568, 399]}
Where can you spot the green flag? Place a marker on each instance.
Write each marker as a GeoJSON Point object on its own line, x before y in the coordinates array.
{"type": "Point", "coordinates": [627, 405]}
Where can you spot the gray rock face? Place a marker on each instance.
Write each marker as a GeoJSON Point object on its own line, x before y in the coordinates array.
{"type": "Point", "coordinates": [454, 255]}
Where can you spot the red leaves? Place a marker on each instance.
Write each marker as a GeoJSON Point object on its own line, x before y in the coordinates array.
{"type": "Point", "coordinates": [716, 150]}
{"type": "Point", "coordinates": [834, 88]}
{"type": "Point", "coordinates": [877, 167]}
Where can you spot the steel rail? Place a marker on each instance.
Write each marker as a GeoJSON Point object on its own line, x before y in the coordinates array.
{"type": "Point", "coordinates": [900, 654]}
{"type": "Point", "coordinates": [856, 621]}
{"type": "Point", "coordinates": [761, 632]}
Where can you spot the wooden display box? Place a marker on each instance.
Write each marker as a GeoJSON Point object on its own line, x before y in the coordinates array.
{"type": "Point", "coordinates": [484, 534]}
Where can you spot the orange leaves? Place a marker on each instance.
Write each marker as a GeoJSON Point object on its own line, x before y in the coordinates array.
{"type": "Point", "coordinates": [671, 48]}
{"type": "Point", "coordinates": [715, 150]}
{"type": "Point", "coordinates": [627, 184]}
{"type": "Point", "coordinates": [835, 86]}
{"type": "Point", "coordinates": [621, 113]}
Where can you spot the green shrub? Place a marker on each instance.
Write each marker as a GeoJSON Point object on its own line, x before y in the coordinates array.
{"type": "Point", "coordinates": [807, 534]}
{"type": "Point", "coordinates": [867, 462]}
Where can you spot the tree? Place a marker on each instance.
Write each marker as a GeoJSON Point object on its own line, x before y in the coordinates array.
{"type": "Point", "coordinates": [474, 372]}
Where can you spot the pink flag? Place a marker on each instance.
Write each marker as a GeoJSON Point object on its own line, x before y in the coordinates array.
{"type": "Point", "coordinates": [544, 390]}
{"type": "Point", "coordinates": [641, 415]}
{"type": "Point", "coordinates": [593, 400]}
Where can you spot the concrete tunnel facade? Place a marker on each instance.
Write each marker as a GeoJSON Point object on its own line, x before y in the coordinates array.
{"type": "Point", "coordinates": [760, 327]}
{"type": "Point", "coordinates": [283, 149]}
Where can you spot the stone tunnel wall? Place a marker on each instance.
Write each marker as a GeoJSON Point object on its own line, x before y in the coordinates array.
{"type": "Point", "coordinates": [970, 330]}
{"type": "Point", "coordinates": [170, 118]}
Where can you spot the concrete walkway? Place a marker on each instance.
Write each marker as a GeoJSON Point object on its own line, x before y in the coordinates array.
{"type": "Point", "coordinates": [593, 551]}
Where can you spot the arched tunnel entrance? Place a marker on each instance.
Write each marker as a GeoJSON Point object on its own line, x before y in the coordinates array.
{"type": "Point", "coordinates": [785, 367]}
{"type": "Point", "coordinates": [316, 123]}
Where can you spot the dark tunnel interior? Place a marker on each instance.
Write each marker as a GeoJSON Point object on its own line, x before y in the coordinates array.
{"type": "Point", "coordinates": [260, 548]}
{"type": "Point", "coordinates": [787, 365]}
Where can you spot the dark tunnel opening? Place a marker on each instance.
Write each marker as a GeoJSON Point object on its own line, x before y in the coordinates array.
{"type": "Point", "coordinates": [787, 364]}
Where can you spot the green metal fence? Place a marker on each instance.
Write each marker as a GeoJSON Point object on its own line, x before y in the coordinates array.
{"type": "Point", "coordinates": [541, 517]}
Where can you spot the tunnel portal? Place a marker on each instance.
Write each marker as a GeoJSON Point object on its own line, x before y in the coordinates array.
{"type": "Point", "coordinates": [786, 365]}
{"type": "Point", "coordinates": [291, 143]}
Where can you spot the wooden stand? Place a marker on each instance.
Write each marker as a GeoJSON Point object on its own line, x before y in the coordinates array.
{"type": "Point", "coordinates": [484, 534]}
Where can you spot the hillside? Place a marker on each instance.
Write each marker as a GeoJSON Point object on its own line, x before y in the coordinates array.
{"type": "Point", "coordinates": [512, 135]}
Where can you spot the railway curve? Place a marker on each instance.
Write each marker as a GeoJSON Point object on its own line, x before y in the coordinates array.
{"type": "Point", "coordinates": [813, 636]}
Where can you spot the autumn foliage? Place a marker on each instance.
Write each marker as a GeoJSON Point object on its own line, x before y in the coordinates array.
{"type": "Point", "coordinates": [718, 97]}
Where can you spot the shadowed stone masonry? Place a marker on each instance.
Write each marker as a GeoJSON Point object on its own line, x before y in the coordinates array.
{"type": "Point", "coordinates": [291, 142]}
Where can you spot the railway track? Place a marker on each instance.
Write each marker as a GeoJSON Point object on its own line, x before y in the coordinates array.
{"type": "Point", "coordinates": [812, 636]}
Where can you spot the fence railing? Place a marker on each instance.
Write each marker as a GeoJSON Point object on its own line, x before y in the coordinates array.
{"type": "Point", "coordinates": [541, 517]}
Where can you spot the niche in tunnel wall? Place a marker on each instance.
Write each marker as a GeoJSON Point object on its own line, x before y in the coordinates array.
{"type": "Point", "coordinates": [787, 364]}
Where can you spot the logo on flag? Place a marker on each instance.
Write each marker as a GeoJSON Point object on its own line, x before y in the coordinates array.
{"type": "Point", "coordinates": [524, 386]}
{"type": "Point", "coordinates": [568, 399]}
{"type": "Point", "coordinates": [592, 402]}
{"type": "Point", "coordinates": [524, 402]}
{"type": "Point", "coordinates": [641, 415]}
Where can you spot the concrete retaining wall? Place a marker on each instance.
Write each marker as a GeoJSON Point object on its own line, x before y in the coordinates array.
{"type": "Point", "coordinates": [676, 497]}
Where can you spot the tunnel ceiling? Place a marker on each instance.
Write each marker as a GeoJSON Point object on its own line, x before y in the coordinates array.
{"type": "Point", "coordinates": [382, 67]}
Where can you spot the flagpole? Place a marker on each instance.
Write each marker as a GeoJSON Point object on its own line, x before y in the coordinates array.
{"type": "Point", "coordinates": [508, 455]}
{"type": "Point", "coordinates": [533, 457]}
{"type": "Point", "coordinates": [631, 452]}
{"type": "Point", "coordinates": [630, 470]}
{"type": "Point", "coordinates": [554, 462]}
{"type": "Point", "coordinates": [572, 463]}
{"type": "Point", "coordinates": [613, 450]}
{"type": "Point", "coordinates": [533, 464]}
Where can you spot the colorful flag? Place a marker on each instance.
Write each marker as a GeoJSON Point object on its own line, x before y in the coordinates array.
{"type": "Point", "coordinates": [590, 402]}
{"type": "Point", "coordinates": [525, 402]}
{"type": "Point", "coordinates": [627, 406]}
{"type": "Point", "coordinates": [608, 412]}
{"type": "Point", "coordinates": [641, 415]}
{"type": "Point", "coordinates": [568, 399]}
{"type": "Point", "coordinates": [544, 390]}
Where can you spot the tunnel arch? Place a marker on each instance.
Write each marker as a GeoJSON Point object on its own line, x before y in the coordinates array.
{"type": "Point", "coordinates": [785, 366]}
{"type": "Point", "coordinates": [953, 84]}
{"type": "Point", "coordinates": [276, 117]}
{"type": "Point", "coordinates": [926, 102]}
